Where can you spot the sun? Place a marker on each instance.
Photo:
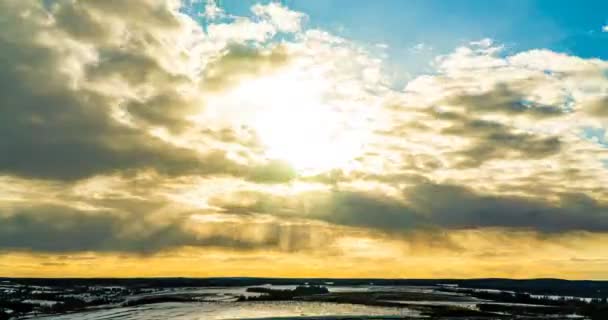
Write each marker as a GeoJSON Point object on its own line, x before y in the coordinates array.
{"type": "Point", "coordinates": [296, 120]}
{"type": "Point", "coordinates": [308, 136]}
{"type": "Point", "coordinates": [300, 124]}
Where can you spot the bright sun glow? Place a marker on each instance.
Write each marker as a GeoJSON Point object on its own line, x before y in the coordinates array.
{"type": "Point", "coordinates": [300, 127]}
{"type": "Point", "coordinates": [296, 123]}
{"type": "Point", "coordinates": [308, 137]}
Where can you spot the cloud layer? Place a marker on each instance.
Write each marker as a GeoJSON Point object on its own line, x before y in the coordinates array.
{"type": "Point", "coordinates": [133, 128]}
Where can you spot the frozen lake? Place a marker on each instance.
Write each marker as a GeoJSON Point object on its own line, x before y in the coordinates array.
{"type": "Point", "coordinates": [228, 310]}
{"type": "Point", "coordinates": [224, 303]}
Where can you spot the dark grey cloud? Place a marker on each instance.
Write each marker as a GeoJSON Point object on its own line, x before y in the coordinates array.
{"type": "Point", "coordinates": [369, 211]}
{"type": "Point", "coordinates": [494, 140]}
{"type": "Point", "coordinates": [503, 99]}
{"type": "Point", "coordinates": [241, 61]}
{"type": "Point", "coordinates": [150, 13]}
{"type": "Point", "coordinates": [49, 131]}
{"type": "Point", "coordinates": [51, 128]}
{"type": "Point", "coordinates": [484, 140]}
{"type": "Point", "coordinates": [599, 107]}
{"type": "Point", "coordinates": [61, 229]}
{"type": "Point", "coordinates": [133, 66]}
{"type": "Point", "coordinates": [430, 206]}
{"type": "Point", "coordinates": [165, 109]}
{"type": "Point", "coordinates": [272, 172]}
{"type": "Point", "coordinates": [454, 206]}
{"type": "Point", "coordinates": [77, 21]}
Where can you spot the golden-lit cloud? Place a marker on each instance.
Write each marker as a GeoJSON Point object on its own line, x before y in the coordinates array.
{"type": "Point", "coordinates": [130, 133]}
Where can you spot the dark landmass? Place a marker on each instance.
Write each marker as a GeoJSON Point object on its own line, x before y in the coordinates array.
{"type": "Point", "coordinates": [583, 288]}
{"type": "Point", "coordinates": [533, 299]}
{"type": "Point", "coordinates": [161, 299]}
{"type": "Point", "coordinates": [269, 294]}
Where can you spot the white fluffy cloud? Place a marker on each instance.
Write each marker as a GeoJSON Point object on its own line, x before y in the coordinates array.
{"type": "Point", "coordinates": [284, 19]}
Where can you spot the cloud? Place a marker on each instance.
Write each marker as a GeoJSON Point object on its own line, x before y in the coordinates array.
{"type": "Point", "coordinates": [428, 206]}
{"type": "Point", "coordinates": [132, 128]}
{"type": "Point", "coordinates": [60, 229]}
{"type": "Point", "coordinates": [502, 99]}
{"type": "Point", "coordinates": [53, 124]}
{"type": "Point", "coordinates": [274, 171]}
{"type": "Point", "coordinates": [485, 108]}
{"type": "Point", "coordinates": [605, 28]}
{"type": "Point", "coordinates": [458, 207]}
{"type": "Point", "coordinates": [212, 10]}
{"type": "Point", "coordinates": [493, 140]}
{"type": "Point", "coordinates": [598, 108]}
{"type": "Point", "coordinates": [284, 19]}
{"type": "Point", "coordinates": [82, 96]}
{"type": "Point", "coordinates": [241, 62]}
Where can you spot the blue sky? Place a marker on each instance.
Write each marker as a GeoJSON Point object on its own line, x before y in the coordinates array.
{"type": "Point", "coordinates": [573, 27]}
{"type": "Point", "coordinates": [569, 26]}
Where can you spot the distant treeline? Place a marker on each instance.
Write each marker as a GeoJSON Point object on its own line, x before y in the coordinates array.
{"type": "Point", "coordinates": [596, 308]}
{"type": "Point", "coordinates": [269, 294]}
{"type": "Point", "coordinates": [592, 289]}
{"type": "Point", "coordinates": [526, 298]}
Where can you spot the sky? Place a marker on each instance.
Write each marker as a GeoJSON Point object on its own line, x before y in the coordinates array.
{"type": "Point", "coordinates": [404, 139]}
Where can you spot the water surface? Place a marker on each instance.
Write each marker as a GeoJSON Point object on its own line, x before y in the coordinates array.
{"type": "Point", "coordinates": [231, 310]}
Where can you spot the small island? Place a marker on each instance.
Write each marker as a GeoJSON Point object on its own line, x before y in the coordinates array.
{"type": "Point", "coordinates": [269, 294]}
